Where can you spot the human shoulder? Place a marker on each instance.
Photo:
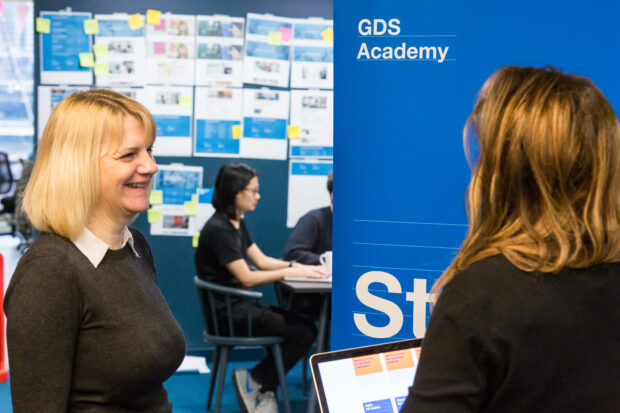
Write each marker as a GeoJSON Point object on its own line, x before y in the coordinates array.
{"type": "Point", "coordinates": [217, 223]}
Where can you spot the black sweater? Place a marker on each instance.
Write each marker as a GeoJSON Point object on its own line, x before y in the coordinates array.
{"type": "Point", "coordinates": [504, 340]}
{"type": "Point", "coordinates": [311, 237]}
{"type": "Point", "coordinates": [86, 339]}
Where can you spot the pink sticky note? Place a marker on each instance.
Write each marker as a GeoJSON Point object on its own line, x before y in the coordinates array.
{"type": "Point", "coordinates": [1, 4]}
{"type": "Point", "coordinates": [285, 32]}
{"type": "Point", "coordinates": [161, 26]}
{"type": "Point", "coordinates": [159, 47]}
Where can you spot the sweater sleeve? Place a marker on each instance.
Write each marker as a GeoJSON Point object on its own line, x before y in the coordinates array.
{"type": "Point", "coordinates": [301, 241]}
{"type": "Point", "coordinates": [42, 306]}
{"type": "Point", "coordinates": [451, 376]}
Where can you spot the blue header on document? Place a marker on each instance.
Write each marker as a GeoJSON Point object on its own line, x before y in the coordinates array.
{"type": "Point", "coordinates": [118, 28]}
{"type": "Point", "coordinates": [205, 195]}
{"type": "Point", "coordinates": [301, 168]}
{"type": "Point", "coordinates": [173, 125]}
{"type": "Point", "coordinates": [314, 151]}
{"type": "Point", "coordinates": [310, 31]}
{"type": "Point", "coordinates": [215, 136]}
{"type": "Point", "coordinates": [177, 196]}
{"type": "Point", "coordinates": [269, 128]}
{"type": "Point", "coordinates": [313, 54]}
{"type": "Point", "coordinates": [264, 50]}
{"type": "Point", "coordinates": [263, 27]}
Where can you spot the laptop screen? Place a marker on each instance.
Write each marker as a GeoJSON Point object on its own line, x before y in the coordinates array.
{"type": "Point", "coordinates": [366, 379]}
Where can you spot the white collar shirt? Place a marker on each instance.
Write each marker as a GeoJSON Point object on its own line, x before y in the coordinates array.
{"type": "Point", "coordinates": [95, 249]}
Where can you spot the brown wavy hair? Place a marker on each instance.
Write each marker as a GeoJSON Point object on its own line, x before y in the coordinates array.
{"type": "Point", "coordinates": [545, 188]}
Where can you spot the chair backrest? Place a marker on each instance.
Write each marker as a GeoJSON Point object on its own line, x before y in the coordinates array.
{"type": "Point", "coordinates": [216, 299]}
{"type": "Point", "coordinates": [6, 176]}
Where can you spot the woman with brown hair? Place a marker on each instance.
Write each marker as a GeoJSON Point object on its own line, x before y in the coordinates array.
{"type": "Point", "coordinates": [527, 314]}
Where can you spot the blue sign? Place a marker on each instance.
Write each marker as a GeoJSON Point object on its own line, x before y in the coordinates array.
{"type": "Point", "coordinates": [407, 74]}
{"type": "Point", "coordinates": [62, 46]}
{"type": "Point", "coordinates": [173, 125]}
{"type": "Point", "coordinates": [215, 136]}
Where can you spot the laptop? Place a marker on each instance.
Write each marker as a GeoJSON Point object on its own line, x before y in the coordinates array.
{"type": "Point", "coordinates": [366, 379]}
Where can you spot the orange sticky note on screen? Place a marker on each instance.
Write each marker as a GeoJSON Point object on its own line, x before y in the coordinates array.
{"type": "Point", "coordinates": [236, 131]}
{"type": "Point", "coordinates": [135, 21]}
{"type": "Point", "coordinates": [294, 132]}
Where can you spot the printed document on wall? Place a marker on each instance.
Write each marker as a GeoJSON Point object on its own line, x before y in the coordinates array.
{"type": "Point", "coordinates": [313, 54]}
{"type": "Point", "coordinates": [172, 109]}
{"type": "Point", "coordinates": [267, 50]}
{"type": "Point", "coordinates": [312, 111]}
{"type": "Point", "coordinates": [48, 98]}
{"type": "Point", "coordinates": [307, 188]}
{"type": "Point", "coordinates": [60, 49]}
{"type": "Point", "coordinates": [265, 115]}
{"type": "Point", "coordinates": [122, 49]}
{"type": "Point", "coordinates": [175, 211]}
{"type": "Point", "coordinates": [170, 48]}
{"type": "Point", "coordinates": [218, 115]}
{"type": "Point", "coordinates": [219, 51]}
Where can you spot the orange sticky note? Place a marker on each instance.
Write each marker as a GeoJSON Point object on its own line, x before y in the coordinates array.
{"type": "Point", "coordinates": [275, 38]}
{"type": "Point", "coordinates": [400, 359]}
{"type": "Point", "coordinates": [91, 26]}
{"type": "Point", "coordinates": [101, 68]}
{"type": "Point", "coordinates": [367, 365]}
{"type": "Point", "coordinates": [236, 131]}
{"type": "Point", "coordinates": [42, 25]}
{"type": "Point", "coordinates": [294, 132]}
{"type": "Point", "coordinates": [153, 17]}
{"type": "Point", "coordinates": [135, 21]}
{"type": "Point", "coordinates": [328, 35]}
{"type": "Point", "coordinates": [86, 59]}
{"type": "Point", "coordinates": [100, 50]}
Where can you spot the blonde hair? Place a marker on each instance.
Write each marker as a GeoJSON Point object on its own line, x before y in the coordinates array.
{"type": "Point", "coordinates": [545, 189]}
{"type": "Point", "coordinates": [64, 184]}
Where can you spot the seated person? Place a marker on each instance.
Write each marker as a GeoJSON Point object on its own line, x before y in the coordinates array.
{"type": "Point", "coordinates": [312, 235]}
{"type": "Point", "coordinates": [224, 250]}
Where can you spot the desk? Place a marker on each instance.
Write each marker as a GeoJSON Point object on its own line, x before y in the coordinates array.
{"type": "Point", "coordinates": [325, 289]}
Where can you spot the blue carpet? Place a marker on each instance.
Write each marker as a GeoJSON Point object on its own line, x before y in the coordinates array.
{"type": "Point", "coordinates": [188, 391]}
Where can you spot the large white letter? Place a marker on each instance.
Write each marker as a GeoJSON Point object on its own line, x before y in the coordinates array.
{"type": "Point", "coordinates": [419, 297]}
{"type": "Point", "coordinates": [394, 29]}
{"type": "Point", "coordinates": [363, 51]}
{"type": "Point", "coordinates": [364, 27]}
{"type": "Point", "coordinates": [442, 53]}
{"type": "Point", "coordinates": [379, 304]}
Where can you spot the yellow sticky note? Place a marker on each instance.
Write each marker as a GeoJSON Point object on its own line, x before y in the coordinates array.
{"type": "Point", "coordinates": [135, 21]}
{"type": "Point", "coordinates": [195, 239]}
{"type": "Point", "coordinates": [86, 59]}
{"type": "Point", "coordinates": [91, 26]}
{"type": "Point", "coordinates": [156, 197]}
{"type": "Point", "coordinates": [153, 215]}
{"type": "Point", "coordinates": [153, 17]}
{"type": "Point", "coordinates": [275, 38]}
{"type": "Point", "coordinates": [43, 25]}
{"type": "Point", "coordinates": [189, 208]}
{"type": "Point", "coordinates": [294, 132]}
{"type": "Point", "coordinates": [101, 68]}
{"type": "Point", "coordinates": [328, 35]}
{"type": "Point", "coordinates": [195, 198]}
{"type": "Point", "coordinates": [236, 130]}
{"type": "Point", "coordinates": [185, 101]}
{"type": "Point", "coordinates": [100, 50]}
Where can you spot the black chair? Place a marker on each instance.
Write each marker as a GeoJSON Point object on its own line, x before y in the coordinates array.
{"type": "Point", "coordinates": [225, 341]}
{"type": "Point", "coordinates": [6, 176]}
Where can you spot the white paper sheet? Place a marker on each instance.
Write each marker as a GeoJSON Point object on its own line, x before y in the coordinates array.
{"type": "Point", "coordinates": [125, 51]}
{"type": "Point", "coordinates": [48, 98]}
{"type": "Point", "coordinates": [170, 49]}
{"type": "Point", "coordinates": [217, 111]}
{"type": "Point", "coordinates": [265, 115]}
{"type": "Point", "coordinates": [307, 188]}
{"type": "Point", "coordinates": [267, 62]}
{"type": "Point", "coordinates": [219, 51]}
{"type": "Point", "coordinates": [313, 112]}
{"type": "Point", "coordinates": [312, 56]}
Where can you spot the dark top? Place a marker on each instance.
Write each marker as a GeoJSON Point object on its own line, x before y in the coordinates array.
{"type": "Point", "coordinates": [221, 243]}
{"type": "Point", "coordinates": [86, 339]}
{"type": "Point", "coordinates": [311, 237]}
{"type": "Point", "coordinates": [505, 340]}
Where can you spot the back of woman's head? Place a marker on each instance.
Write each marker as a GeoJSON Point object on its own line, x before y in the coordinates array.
{"type": "Point", "coordinates": [232, 178]}
{"type": "Point", "coordinates": [545, 188]}
{"type": "Point", "coordinates": [64, 184]}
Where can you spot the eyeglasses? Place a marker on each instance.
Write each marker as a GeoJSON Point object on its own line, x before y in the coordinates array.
{"type": "Point", "coordinates": [253, 190]}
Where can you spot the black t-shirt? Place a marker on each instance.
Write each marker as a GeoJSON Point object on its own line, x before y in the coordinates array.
{"type": "Point", "coordinates": [221, 243]}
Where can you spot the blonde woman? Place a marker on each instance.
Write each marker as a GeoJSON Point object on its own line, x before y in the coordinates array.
{"type": "Point", "coordinates": [527, 314]}
{"type": "Point", "coordinates": [87, 326]}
